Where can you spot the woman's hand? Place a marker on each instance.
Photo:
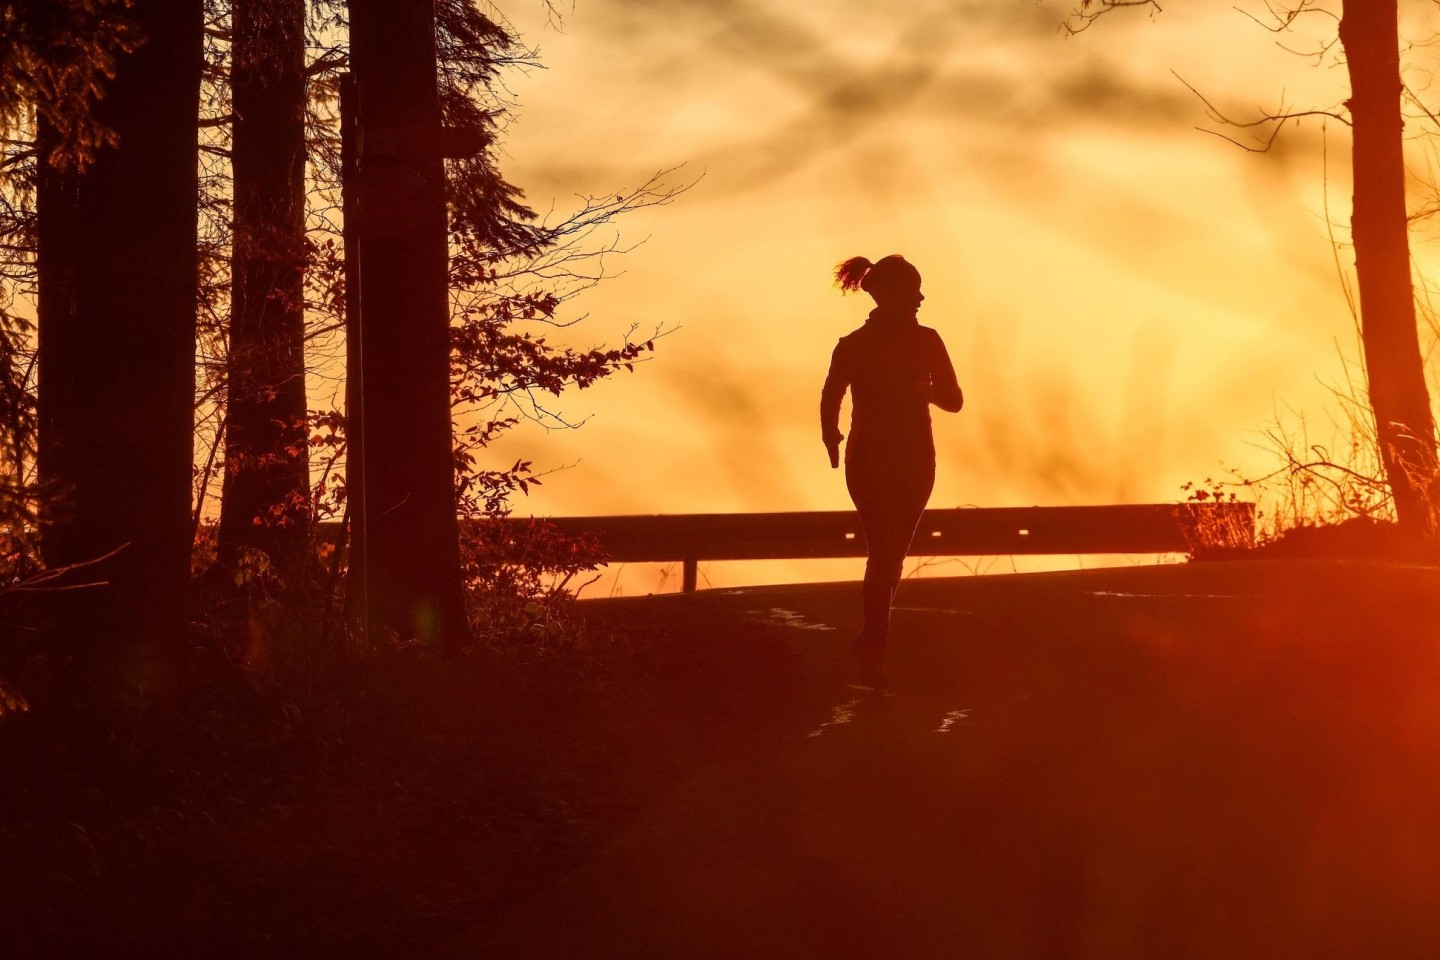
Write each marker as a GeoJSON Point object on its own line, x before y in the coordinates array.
{"type": "Point", "coordinates": [925, 387]}
{"type": "Point", "coordinates": [832, 445]}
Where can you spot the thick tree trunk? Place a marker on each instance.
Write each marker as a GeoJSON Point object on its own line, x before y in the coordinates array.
{"type": "Point", "coordinates": [265, 502]}
{"type": "Point", "coordinates": [117, 358]}
{"type": "Point", "coordinates": [407, 514]}
{"type": "Point", "coordinates": [1398, 395]}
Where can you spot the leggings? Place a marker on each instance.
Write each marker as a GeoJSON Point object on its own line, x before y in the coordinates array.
{"type": "Point", "coordinates": [890, 494]}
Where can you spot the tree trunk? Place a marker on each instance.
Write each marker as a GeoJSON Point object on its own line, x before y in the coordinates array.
{"type": "Point", "coordinates": [265, 502]}
{"type": "Point", "coordinates": [1393, 364]}
{"type": "Point", "coordinates": [117, 265]}
{"type": "Point", "coordinates": [406, 516]}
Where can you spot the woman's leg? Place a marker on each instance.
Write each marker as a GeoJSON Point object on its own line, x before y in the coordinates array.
{"type": "Point", "coordinates": [890, 496]}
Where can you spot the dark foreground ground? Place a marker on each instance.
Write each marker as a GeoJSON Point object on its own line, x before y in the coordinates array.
{"type": "Point", "coordinates": [1234, 759]}
{"type": "Point", "coordinates": [1229, 760]}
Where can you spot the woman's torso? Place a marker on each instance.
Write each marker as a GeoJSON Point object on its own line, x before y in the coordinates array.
{"type": "Point", "coordinates": [889, 366]}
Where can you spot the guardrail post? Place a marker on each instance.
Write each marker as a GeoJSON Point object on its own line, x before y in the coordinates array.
{"type": "Point", "coordinates": [692, 571]}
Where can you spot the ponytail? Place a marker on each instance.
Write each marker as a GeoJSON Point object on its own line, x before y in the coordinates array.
{"type": "Point", "coordinates": [850, 274]}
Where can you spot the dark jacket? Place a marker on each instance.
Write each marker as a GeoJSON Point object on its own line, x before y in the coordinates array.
{"type": "Point", "coordinates": [895, 369]}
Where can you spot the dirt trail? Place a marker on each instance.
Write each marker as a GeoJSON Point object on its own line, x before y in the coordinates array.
{"type": "Point", "coordinates": [1237, 759]}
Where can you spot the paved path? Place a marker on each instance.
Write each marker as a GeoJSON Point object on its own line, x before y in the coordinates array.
{"type": "Point", "coordinates": [1234, 760]}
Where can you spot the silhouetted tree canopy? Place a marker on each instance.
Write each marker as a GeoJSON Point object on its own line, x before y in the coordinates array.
{"type": "Point", "coordinates": [56, 57]}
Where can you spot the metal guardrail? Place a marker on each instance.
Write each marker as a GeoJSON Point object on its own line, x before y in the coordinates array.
{"type": "Point", "coordinates": [1118, 528]}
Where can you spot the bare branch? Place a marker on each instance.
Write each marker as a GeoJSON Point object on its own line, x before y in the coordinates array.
{"type": "Point", "coordinates": [1089, 11]}
{"type": "Point", "coordinates": [1278, 119]}
{"type": "Point", "coordinates": [43, 582]}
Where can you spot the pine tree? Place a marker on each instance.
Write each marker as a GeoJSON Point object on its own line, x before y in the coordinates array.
{"type": "Point", "coordinates": [117, 263]}
{"type": "Point", "coordinates": [407, 578]}
{"type": "Point", "coordinates": [265, 502]}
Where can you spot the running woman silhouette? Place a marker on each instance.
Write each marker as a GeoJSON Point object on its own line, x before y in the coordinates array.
{"type": "Point", "coordinates": [895, 369]}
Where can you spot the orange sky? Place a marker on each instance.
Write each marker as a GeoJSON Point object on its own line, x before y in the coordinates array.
{"type": "Point", "coordinates": [1128, 301]}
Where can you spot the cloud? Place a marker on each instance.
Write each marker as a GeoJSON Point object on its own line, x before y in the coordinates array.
{"type": "Point", "coordinates": [999, 75]}
{"type": "Point", "coordinates": [735, 408]}
{"type": "Point", "coordinates": [1063, 175]}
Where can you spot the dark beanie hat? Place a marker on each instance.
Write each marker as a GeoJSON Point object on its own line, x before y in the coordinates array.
{"type": "Point", "coordinates": [892, 274]}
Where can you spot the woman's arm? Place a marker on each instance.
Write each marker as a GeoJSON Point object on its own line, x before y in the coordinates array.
{"type": "Point", "coordinates": [830, 396]}
{"type": "Point", "coordinates": [944, 388]}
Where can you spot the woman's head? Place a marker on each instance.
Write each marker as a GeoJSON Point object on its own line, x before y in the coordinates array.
{"type": "Point", "coordinates": [892, 281]}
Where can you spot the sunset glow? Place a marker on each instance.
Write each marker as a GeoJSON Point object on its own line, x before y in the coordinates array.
{"type": "Point", "coordinates": [1130, 301]}
{"type": "Point", "coordinates": [625, 478]}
